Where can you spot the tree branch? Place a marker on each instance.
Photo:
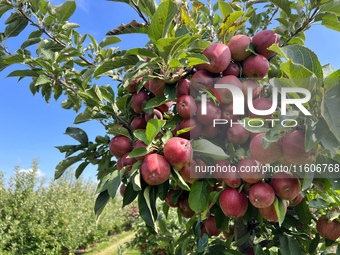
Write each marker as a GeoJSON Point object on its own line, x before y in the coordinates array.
{"type": "Point", "coordinates": [271, 18]}
{"type": "Point", "coordinates": [139, 12]}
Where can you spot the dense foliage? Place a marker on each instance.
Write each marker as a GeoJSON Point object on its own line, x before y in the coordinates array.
{"type": "Point", "coordinates": [39, 217]}
{"type": "Point", "coordinates": [150, 77]}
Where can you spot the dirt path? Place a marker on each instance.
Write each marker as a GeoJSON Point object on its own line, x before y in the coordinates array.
{"type": "Point", "coordinates": [112, 250]}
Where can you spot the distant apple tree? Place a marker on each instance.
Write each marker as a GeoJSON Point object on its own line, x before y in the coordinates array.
{"type": "Point", "coordinates": [155, 131]}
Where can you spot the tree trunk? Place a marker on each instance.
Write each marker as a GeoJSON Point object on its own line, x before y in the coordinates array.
{"type": "Point", "coordinates": [240, 229]}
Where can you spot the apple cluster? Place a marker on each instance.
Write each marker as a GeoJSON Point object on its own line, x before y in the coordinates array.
{"type": "Point", "coordinates": [227, 65]}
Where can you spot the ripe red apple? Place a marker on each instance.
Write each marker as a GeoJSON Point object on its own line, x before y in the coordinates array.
{"type": "Point", "coordinates": [132, 87]}
{"type": "Point", "coordinates": [219, 57]}
{"type": "Point", "coordinates": [155, 169]}
{"type": "Point", "coordinates": [165, 107]}
{"type": "Point", "coordinates": [297, 201]}
{"type": "Point", "coordinates": [200, 79]}
{"type": "Point", "coordinates": [158, 114]}
{"type": "Point", "coordinates": [254, 85]}
{"type": "Point", "coordinates": [119, 145]}
{"type": "Point", "coordinates": [230, 233]}
{"type": "Point", "coordinates": [122, 189]}
{"type": "Point", "coordinates": [186, 172]}
{"type": "Point", "coordinates": [128, 161]}
{"type": "Point", "coordinates": [210, 131]}
{"type": "Point", "coordinates": [213, 112]}
{"type": "Point", "coordinates": [156, 86]}
{"type": "Point", "coordinates": [263, 40]}
{"type": "Point", "coordinates": [284, 161]}
{"type": "Point", "coordinates": [203, 230]}
{"type": "Point", "coordinates": [261, 104]}
{"type": "Point", "coordinates": [259, 153]}
{"type": "Point", "coordinates": [250, 170]}
{"type": "Point", "coordinates": [185, 208]}
{"type": "Point", "coordinates": [138, 123]}
{"type": "Point", "coordinates": [137, 100]}
{"type": "Point", "coordinates": [286, 185]}
{"type": "Point", "coordinates": [293, 147]}
{"type": "Point", "coordinates": [269, 213]}
{"type": "Point", "coordinates": [194, 132]}
{"type": "Point", "coordinates": [255, 66]}
{"type": "Point", "coordinates": [219, 166]}
{"type": "Point", "coordinates": [247, 187]}
{"type": "Point", "coordinates": [238, 45]}
{"type": "Point", "coordinates": [139, 144]}
{"type": "Point", "coordinates": [210, 226]}
{"type": "Point", "coordinates": [168, 200]}
{"type": "Point", "coordinates": [232, 69]}
{"type": "Point", "coordinates": [202, 166]}
{"type": "Point", "coordinates": [227, 113]}
{"type": "Point", "coordinates": [237, 134]}
{"type": "Point", "coordinates": [186, 106]}
{"type": "Point", "coordinates": [178, 151]}
{"type": "Point", "coordinates": [233, 203]}
{"type": "Point", "coordinates": [328, 229]}
{"type": "Point", "coordinates": [261, 195]}
{"type": "Point", "coordinates": [225, 94]}
{"type": "Point", "coordinates": [183, 87]}
{"type": "Point", "coordinates": [119, 163]}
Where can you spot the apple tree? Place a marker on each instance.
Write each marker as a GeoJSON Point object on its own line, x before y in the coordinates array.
{"type": "Point", "coordinates": [172, 123]}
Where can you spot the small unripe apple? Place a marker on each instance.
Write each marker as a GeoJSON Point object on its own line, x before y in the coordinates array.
{"type": "Point", "coordinates": [155, 169]}
{"type": "Point", "coordinates": [255, 66]}
{"type": "Point", "coordinates": [219, 57]}
{"type": "Point", "coordinates": [186, 106]}
{"type": "Point", "coordinates": [119, 145]}
{"type": "Point", "coordinates": [238, 45]}
{"type": "Point", "coordinates": [286, 185]}
{"type": "Point", "coordinates": [232, 69]}
{"type": "Point", "coordinates": [138, 100]}
{"type": "Point", "coordinates": [224, 93]}
{"type": "Point", "coordinates": [233, 203]}
{"type": "Point", "coordinates": [263, 40]}
{"type": "Point", "coordinates": [261, 195]}
{"type": "Point", "coordinates": [178, 151]}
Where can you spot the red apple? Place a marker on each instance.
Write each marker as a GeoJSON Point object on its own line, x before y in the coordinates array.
{"type": "Point", "coordinates": [155, 169]}
{"type": "Point", "coordinates": [210, 226]}
{"type": "Point", "coordinates": [250, 170]}
{"type": "Point", "coordinates": [158, 114]}
{"type": "Point", "coordinates": [219, 57]}
{"type": "Point", "coordinates": [328, 229]}
{"type": "Point", "coordinates": [138, 123]}
{"type": "Point", "coordinates": [227, 113]}
{"type": "Point", "coordinates": [185, 208]}
{"type": "Point", "coordinates": [246, 188]}
{"type": "Point", "coordinates": [286, 185]}
{"type": "Point", "coordinates": [259, 153]}
{"type": "Point", "coordinates": [233, 203]}
{"type": "Point", "coordinates": [156, 86]}
{"type": "Point", "coordinates": [237, 134]}
{"type": "Point", "coordinates": [119, 163]}
{"type": "Point", "coordinates": [293, 147]}
{"type": "Point", "coordinates": [178, 151]}
{"type": "Point", "coordinates": [238, 45]}
{"type": "Point", "coordinates": [232, 69]}
{"type": "Point", "coordinates": [194, 132]}
{"type": "Point", "coordinates": [122, 189]}
{"type": "Point", "coordinates": [165, 107]}
{"type": "Point", "coordinates": [225, 94]}
{"type": "Point", "coordinates": [210, 131]}
{"type": "Point", "coordinates": [261, 195]}
{"type": "Point", "coordinates": [230, 233]}
{"type": "Point", "coordinates": [254, 85]}
{"type": "Point", "coordinates": [200, 79]}
{"type": "Point", "coordinates": [261, 104]}
{"type": "Point", "coordinates": [186, 106]}
{"type": "Point", "coordinates": [213, 112]}
{"type": "Point", "coordinates": [269, 213]}
{"type": "Point", "coordinates": [296, 200]}
{"type": "Point", "coordinates": [186, 172]}
{"type": "Point", "coordinates": [168, 200]}
{"type": "Point", "coordinates": [128, 161]}
{"type": "Point", "coordinates": [132, 87]}
{"type": "Point", "coordinates": [183, 87]}
{"type": "Point", "coordinates": [255, 66]}
{"type": "Point", "coordinates": [263, 40]}
{"type": "Point", "coordinates": [119, 145]}
{"type": "Point", "coordinates": [138, 100]}
{"type": "Point", "coordinates": [139, 144]}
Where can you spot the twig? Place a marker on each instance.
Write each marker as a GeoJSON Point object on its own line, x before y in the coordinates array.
{"type": "Point", "coordinates": [271, 18]}
{"type": "Point", "coordinates": [100, 155]}
{"type": "Point", "coordinates": [139, 12]}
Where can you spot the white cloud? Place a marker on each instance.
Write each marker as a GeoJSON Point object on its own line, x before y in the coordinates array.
{"type": "Point", "coordinates": [39, 173]}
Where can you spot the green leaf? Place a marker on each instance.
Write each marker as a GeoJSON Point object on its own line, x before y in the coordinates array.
{"type": "Point", "coordinates": [283, 4]}
{"type": "Point", "coordinates": [140, 135]}
{"type": "Point", "coordinates": [30, 42]}
{"type": "Point", "coordinates": [202, 243]}
{"type": "Point", "coordinates": [81, 168]}
{"type": "Point", "coordinates": [208, 149]}
{"type": "Point", "coordinates": [293, 70]}
{"type": "Point", "coordinates": [303, 212]}
{"type": "Point", "coordinates": [63, 165]}
{"type": "Point", "coordinates": [129, 195]}
{"type": "Point", "coordinates": [153, 127]}
{"type": "Point", "coordinates": [280, 210]}
{"type": "Point", "coordinates": [199, 189]}
{"type": "Point", "coordinates": [43, 79]}
{"type": "Point", "coordinates": [259, 250]}
{"type": "Point", "coordinates": [77, 134]}
{"type": "Point", "coordinates": [289, 245]}
{"type": "Point", "coordinates": [305, 57]}
{"type": "Point", "coordinates": [243, 239]}
{"type": "Point", "coordinates": [332, 79]}
{"type": "Point", "coordinates": [116, 129]}
{"type": "Point", "coordinates": [101, 202]}
{"type": "Point", "coordinates": [179, 180]}
{"type": "Point", "coordinates": [115, 64]}
{"type": "Point", "coordinates": [332, 7]}
{"type": "Point", "coordinates": [14, 59]}
{"type": "Point", "coordinates": [113, 183]}
{"type": "Point", "coordinates": [4, 9]}
{"type": "Point", "coordinates": [222, 221]}
{"type": "Point", "coordinates": [132, 28]}
{"type": "Point", "coordinates": [329, 110]}
{"type": "Point", "coordinates": [224, 8]}
{"type": "Point", "coordinates": [314, 243]}
{"type": "Point", "coordinates": [162, 19]}
{"type": "Point", "coordinates": [315, 132]}
{"type": "Point", "coordinates": [13, 29]}
{"type": "Point", "coordinates": [144, 210]}
{"type": "Point", "coordinates": [318, 203]}
{"type": "Point", "coordinates": [257, 125]}
{"type": "Point", "coordinates": [156, 101]}
{"type": "Point", "coordinates": [109, 41]}
{"type": "Point", "coordinates": [65, 10]}
{"type": "Point", "coordinates": [23, 73]}
{"type": "Point", "coordinates": [331, 143]}
{"type": "Point", "coordinates": [216, 250]}
{"type": "Point", "coordinates": [142, 52]}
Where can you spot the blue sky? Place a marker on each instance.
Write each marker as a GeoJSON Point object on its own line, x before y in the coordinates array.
{"type": "Point", "coordinates": [30, 128]}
